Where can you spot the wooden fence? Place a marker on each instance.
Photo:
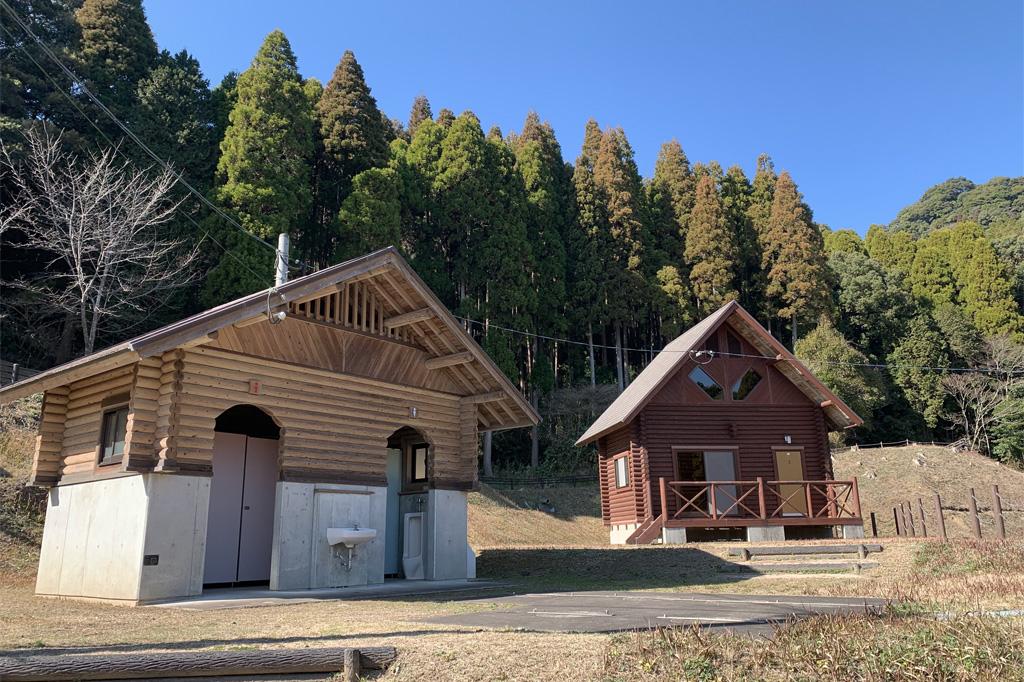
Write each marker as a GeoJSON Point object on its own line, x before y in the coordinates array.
{"type": "Point", "coordinates": [11, 372]}
{"type": "Point", "coordinates": [925, 518]}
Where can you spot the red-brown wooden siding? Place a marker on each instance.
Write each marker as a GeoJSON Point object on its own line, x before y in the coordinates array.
{"type": "Point", "coordinates": [681, 414]}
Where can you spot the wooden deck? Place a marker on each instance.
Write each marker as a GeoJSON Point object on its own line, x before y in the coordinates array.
{"type": "Point", "coordinates": [738, 504]}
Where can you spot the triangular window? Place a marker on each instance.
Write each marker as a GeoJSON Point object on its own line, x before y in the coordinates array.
{"type": "Point", "coordinates": [709, 385]}
{"type": "Point", "coordinates": [745, 384]}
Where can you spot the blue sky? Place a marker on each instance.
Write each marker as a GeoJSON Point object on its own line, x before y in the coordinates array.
{"type": "Point", "coordinates": [866, 103]}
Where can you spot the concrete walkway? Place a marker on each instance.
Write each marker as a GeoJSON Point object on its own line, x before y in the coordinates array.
{"type": "Point", "coordinates": [618, 611]}
{"type": "Point", "coordinates": [244, 597]}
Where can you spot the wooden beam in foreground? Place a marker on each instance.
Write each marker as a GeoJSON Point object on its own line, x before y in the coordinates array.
{"type": "Point", "coordinates": [486, 397]}
{"type": "Point", "coordinates": [449, 360]}
{"type": "Point", "coordinates": [409, 318]}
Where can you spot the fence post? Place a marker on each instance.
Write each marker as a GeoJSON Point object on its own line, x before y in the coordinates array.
{"type": "Point", "coordinates": [997, 513]}
{"type": "Point", "coordinates": [761, 504]}
{"type": "Point", "coordinates": [896, 522]}
{"type": "Point", "coordinates": [910, 520]}
{"type": "Point", "coordinates": [855, 492]}
{"type": "Point", "coordinates": [874, 526]}
{"type": "Point", "coordinates": [807, 494]}
{"type": "Point", "coordinates": [972, 509]}
{"type": "Point", "coordinates": [938, 518]}
{"type": "Point", "coordinates": [920, 512]}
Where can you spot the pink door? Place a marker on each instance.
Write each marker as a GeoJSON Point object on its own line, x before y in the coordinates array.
{"type": "Point", "coordinates": [241, 513]}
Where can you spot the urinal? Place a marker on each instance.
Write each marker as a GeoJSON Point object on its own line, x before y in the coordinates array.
{"type": "Point", "coordinates": [412, 552]}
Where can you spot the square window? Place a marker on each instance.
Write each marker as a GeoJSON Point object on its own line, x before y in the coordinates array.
{"type": "Point", "coordinates": [622, 472]}
{"type": "Point", "coordinates": [418, 464]}
{"type": "Point", "coordinates": [709, 385]}
{"type": "Point", "coordinates": [745, 384]}
{"type": "Point", "coordinates": [113, 434]}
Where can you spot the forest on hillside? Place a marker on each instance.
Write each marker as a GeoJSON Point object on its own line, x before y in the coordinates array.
{"type": "Point", "coordinates": [570, 274]}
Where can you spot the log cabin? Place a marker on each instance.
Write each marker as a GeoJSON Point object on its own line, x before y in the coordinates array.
{"type": "Point", "coordinates": [725, 431]}
{"type": "Point", "coordinates": [322, 433]}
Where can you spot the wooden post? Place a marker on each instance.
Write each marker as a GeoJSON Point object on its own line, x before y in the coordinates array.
{"type": "Point", "coordinates": [909, 511]}
{"type": "Point", "coordinates": [713, 500]}
{"type": "Point", "coordinates": [972, 507]}
{"type": "Point", "coordinates": [855, 494]}
{"type": "Point", "coordinates": [941, 522]}
{"type": "Point", "coordinates": [761, 505]}
{"type": "Point", "coordinates": [920, 512]}
{"type": "Point", "coordinates": [664, 498]}
{"type": "Point", "coordinates": [997, 513]}
{"type": "Point", "coordinates": [874, 526]}
{"type": "Point", "coordinates": [807, 494]}
{"type": "Point", "coordinates": [351, 660]}
{"type": "Point", "coordinates": [896, 522]}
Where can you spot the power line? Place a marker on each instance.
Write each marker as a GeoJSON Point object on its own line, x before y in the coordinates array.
{"type": "Point", "coordinates": [117, 150]}
{"type": "Point", "coordinates": [714, 354]}
{"type": "Point", "coordinates": [80, 84]}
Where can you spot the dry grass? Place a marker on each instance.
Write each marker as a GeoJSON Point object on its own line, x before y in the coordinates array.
{"type": "Point", "coordinates": [866, 647]}
{"type": "Point", "coordinates": [888, 476]}
{"type": "Point", "coordinates": [503, 518]}
{"type": "Point", "coordinates": [21, 508]}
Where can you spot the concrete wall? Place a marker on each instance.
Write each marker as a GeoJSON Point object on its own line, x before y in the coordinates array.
{"type": "Point", "coordinates": [620, 532]}
{"type": "Point", "coordinates": [301, 557]}
{"type": "Point", "coordinates": [447, 545]}
{"type": "Point", "coordinates": [96, 535]}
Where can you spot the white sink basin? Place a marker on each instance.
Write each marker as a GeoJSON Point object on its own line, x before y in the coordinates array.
{"type": "Point", "coordinates": [350, 537]}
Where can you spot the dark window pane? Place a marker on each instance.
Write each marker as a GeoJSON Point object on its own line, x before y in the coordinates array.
{"type": "Point", "coordinates": [115, 430]}
{"type": "Point", "coordinates": [704, 380]}
{"type": "Point", "coordinates": [746, 383]}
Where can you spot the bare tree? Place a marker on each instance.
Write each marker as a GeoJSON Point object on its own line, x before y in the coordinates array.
{"type": "Point", "coordinates": [99, 220]}
{"type": "Point", "coordinates": [980, 399]}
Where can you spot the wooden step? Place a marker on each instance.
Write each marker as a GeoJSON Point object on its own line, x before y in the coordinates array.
{"type": "Point", "coordinates": [861, 550]}
{"type": "Point", "coordinates": [801, 566]}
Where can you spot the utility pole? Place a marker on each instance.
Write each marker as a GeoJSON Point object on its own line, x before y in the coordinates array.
{"type": "Point", "coordinates": [281, 270]}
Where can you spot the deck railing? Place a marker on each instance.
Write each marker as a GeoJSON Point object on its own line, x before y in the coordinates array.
{"type": "Point", "coordinates": [760, 499]}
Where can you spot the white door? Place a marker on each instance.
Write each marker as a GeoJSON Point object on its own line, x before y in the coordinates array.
{"type": "Point", "coordinates": [241, 514]}
{"type": "Point", "coordinates": [719, 465]}
{"type": "Point", "coordinates": [257, 531]}
{"type": "Point", "coordinates": [222, 530]}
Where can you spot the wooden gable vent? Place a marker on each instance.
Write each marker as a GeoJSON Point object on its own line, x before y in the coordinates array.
{"type": "Point", "coordinates": [355, 307]}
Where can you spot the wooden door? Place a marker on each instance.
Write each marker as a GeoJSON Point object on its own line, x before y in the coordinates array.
{"type": "Point", "coordinates": [789, 466]}
{"type": "Point", "coordinates": [224, 520]}
{"type": "Point", "coordinates": [257, 527]}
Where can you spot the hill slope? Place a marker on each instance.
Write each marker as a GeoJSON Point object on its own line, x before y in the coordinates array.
{"type": "Point", "coordinates": [501, 517]}
{"type": "Point", "coordinates": [888, 476]}
{"type": "Point", "coordinates": [996, 202]}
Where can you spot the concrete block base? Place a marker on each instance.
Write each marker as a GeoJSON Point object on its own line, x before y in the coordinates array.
{"type": "Point", "coordinates": [620, 532]}
{"type": "Point", "coordinates": [853, 532]}
{"type": "Point", "coordinates": [766, 534]}
{"type": "Point", "coordinates": [673, 536]}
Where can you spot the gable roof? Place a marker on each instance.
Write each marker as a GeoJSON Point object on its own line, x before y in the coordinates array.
{"type": "Point", "coordinates": [632, 400]}
{"type": "Point", "coordinates": [397, 286]}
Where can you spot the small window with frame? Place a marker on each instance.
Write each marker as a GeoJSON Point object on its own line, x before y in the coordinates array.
{"type": "Point", "coordinates": [113, 433]}
{"type": "Point", "coordinates": [418, 463]}
{"type": "Point", "coordinates": [622, 472]}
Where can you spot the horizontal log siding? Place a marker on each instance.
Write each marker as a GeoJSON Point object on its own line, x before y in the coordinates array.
{"type": "Point", "coordinates": [139, 451]}
{"type": "Point", "coordinates": [624, 505]}
{"type": "Point", "coordinates": [334, 427]}
{"type": "Point", "coordinates": [47, 461]}
{"type": "Point", "coordinates": [81, 436]}
{"type": "Point", "coordinates": [757, 429]}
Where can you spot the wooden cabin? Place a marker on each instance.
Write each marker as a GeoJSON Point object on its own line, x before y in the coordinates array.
{"type": "Point", "coordinates": [235, 446]}
{"type": "Point", "coordinates": [723, 431]}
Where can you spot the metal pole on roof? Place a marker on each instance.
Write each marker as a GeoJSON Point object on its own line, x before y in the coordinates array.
{"type": "Point", "coordinates": [281, 271]}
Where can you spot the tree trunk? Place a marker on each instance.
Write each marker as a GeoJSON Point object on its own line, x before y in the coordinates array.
{"type": "Point", "coordinates": [488, 465]}
{"type": "Point", "coordinates": [794, 331]}
{"type": "Point", "coordinates": [618, 355]}
{"type": "Point", "coordinates": [593, 364]}
{"type": "Point", "coordinates": [535, 436]}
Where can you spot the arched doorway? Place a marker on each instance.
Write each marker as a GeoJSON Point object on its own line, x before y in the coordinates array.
{"type": "Point", "coordinates": [408, 473]}
{"type": "Point", "coordinates": [240, 523]}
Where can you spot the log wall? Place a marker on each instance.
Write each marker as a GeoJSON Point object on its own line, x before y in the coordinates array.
{"type": "Point", "coordinates": [83, 419]}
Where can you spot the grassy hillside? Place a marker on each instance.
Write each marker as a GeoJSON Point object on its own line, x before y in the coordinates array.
{"type": "Point", "coordinates": [888, 476]}
{"type": "Point", "coordinates": [502, 517]}
{"type": "Point", "coordinates": [21, 517]}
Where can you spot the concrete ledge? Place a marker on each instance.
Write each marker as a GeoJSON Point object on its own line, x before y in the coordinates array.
{"type": "Point", "coordinates": [766, 534]}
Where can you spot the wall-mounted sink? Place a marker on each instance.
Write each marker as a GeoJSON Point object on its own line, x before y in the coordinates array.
{"type": "Point", "coordinates": [350, 537]}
